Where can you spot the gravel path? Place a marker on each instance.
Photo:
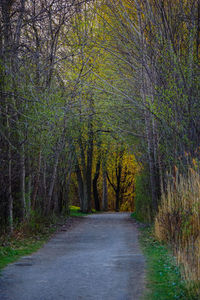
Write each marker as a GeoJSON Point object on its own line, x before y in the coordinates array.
{"type": "Point", "coordinates": [97, 259]}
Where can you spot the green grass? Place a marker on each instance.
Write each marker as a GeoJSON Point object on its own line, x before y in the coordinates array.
{"type": "Point", "coordinates": [16, 249]}
{"type": "Point", "coordinates": [75, 212]}
{"type": "Point", "coordinates": [164, 281]}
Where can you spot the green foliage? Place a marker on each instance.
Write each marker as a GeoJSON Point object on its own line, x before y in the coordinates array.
{"type": "Point", "coordinates": [76, 212]}
{"type": "Point", "coordinates": [143, 209]}
{"type": "Point", "coordinates": [163, 275]}
{"type": "Point", "coordinates": [38, 224]}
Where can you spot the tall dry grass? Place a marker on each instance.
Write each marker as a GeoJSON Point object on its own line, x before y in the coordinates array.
{"type": "Point", "coordinates": [178, 224]}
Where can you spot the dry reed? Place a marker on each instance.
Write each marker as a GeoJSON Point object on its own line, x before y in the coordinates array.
{"type": "Point", "coordinates": [178, 224]}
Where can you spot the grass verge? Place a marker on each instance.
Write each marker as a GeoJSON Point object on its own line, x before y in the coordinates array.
{"type": "Point", "coordinates": [17, 248]}
{"type": "Point", "coordinates": [164, 279]}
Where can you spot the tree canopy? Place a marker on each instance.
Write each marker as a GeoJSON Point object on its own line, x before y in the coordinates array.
{"type": "Point", "coordinates": [93, 94]}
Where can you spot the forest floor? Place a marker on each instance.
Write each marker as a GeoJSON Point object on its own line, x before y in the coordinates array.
{"type": "Point", "coordinates": [97, 258]}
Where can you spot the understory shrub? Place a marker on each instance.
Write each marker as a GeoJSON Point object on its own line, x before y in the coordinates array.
{"type": "Point", "coordinates": [143, 207]}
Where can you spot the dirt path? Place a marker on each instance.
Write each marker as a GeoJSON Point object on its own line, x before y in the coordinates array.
{"type": "Point", "coordinates": [98, 259]}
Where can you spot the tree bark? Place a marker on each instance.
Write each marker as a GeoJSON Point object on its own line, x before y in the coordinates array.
{"type": "Point", "coordinates": [198, 31]}
{"type": "Point", "coordinates": [52, 182]}
{"type": "Point", "coordinates": [10, 197]}
{"type": "Point", "coordinates": [117, 191]}
{"type": "Point", "coordinates": [22, 182]}
{"type": "Point", "coordinates": [150, 152]}
{"type": "Point", "coordinates": [80, 184]}
{"type": "Point", "coordinates": [89, 160]}
{"type": "Point", "coordinates": [29, 188]}
{"type": "Point", "coordinates": [95, 188]}
{"type": "Point", "coordinates": [44, 181]}
{"type": "Point", "coordinates": [37, 181]}
{"type": "Point", "coordinates": [105, 192]}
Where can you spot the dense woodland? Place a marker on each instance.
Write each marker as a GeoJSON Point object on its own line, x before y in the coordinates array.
{"type": "Point", "coordinates": [100, 106]}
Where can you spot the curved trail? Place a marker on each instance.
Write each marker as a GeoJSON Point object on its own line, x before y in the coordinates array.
{"type": "Point", "coordinates": [98, 259]}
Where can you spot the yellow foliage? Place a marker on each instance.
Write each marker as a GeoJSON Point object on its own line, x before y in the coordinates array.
{"type": "Point", "coordinates": [129, 168]}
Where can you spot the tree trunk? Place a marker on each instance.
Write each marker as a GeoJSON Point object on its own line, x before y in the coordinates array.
{"type": "Point", "coordinates": [117, 201]}
{"type": "Point", "coordinates": [55, 199]}
{"type": "Point", "coordinates": [198, 31]}
{"type": "Point", "coordinates": [29, 188]}
{"type": "Point", "coordinates": [10, 198]}
{"type": "Point", "coordinates": [68, 181]}
{"type": "Point", "coordinates": [82, 179]}
{"type": "Point", "coordinates": [95, 188]}
{"type": "Point", "coordinates": [89, 163]}
{"type": "Point", "coordinates": [5, 55]}
{"type": "Point", "coordinates": [52, 182]}
{"type": "Point", "coordinates": [146, 91]}
{"type": "Point", "coordinates": [105, 192]}
{"type": "Point", "coordinates": [151, 161]}
{"type": "Point", "coordinates": [80, 184]}
{"type": "Point", "coordinates": [22, 183]}
{"type": "Point", "coordinates": [117, 191]}
{"type": "Point", "coordinates": [85, 197]}
{"type": "Point", "coordinates": [37, 181]}
{"type": "Point", "coordinates": [44, 182]}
